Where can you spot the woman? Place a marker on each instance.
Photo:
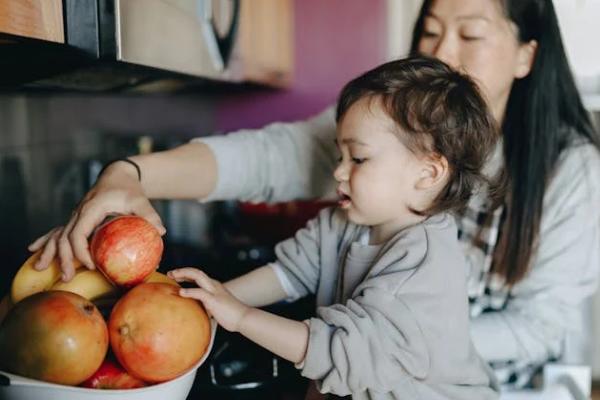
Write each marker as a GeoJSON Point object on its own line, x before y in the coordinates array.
{"type": "Point", "coordinates": [532, 260]}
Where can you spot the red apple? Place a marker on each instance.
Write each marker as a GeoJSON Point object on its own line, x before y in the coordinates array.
{"type": "Point", "coordinates": [111, 375]}
{"type": "Point", "coordinates": [126, 249]}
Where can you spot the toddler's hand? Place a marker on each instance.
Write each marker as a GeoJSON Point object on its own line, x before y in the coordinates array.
{"type": "Point", "coordinates": [224, 307]}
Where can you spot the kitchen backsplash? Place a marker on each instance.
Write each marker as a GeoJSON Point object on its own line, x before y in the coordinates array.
{"type": "Point", "coordinates": [51, 149]}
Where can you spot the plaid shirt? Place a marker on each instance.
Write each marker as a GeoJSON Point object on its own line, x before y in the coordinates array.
{"type": "Point", "coordinates": [486, 290]}
{"type": "Point", "coordinates": [478, 235]}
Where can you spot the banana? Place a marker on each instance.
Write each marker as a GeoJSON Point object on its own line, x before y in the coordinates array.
{"type": "Point", "coordinates": [94, 286]}
{"type": "Point", "coordinates": [160, 278]}
{"type": "Point", "coordinates": [28, 280]}
{"type": "Point", "coordinates": [90, 284]}
{"type": "Point", "coordinates": [5, 306]}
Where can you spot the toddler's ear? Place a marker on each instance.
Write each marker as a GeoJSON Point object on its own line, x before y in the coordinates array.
{"type": "Point", "coordinates": [434, 172]}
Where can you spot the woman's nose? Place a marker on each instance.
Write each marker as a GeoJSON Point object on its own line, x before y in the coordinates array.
{"type": "Point", "coordinates": [446, 51]}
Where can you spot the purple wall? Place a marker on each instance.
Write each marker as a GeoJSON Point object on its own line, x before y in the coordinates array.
{"type": "Point", "coordinates": [334, 41]}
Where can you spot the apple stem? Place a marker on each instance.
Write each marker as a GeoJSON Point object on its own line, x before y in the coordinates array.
{"type": "Point", "coordinates": [88, 308]}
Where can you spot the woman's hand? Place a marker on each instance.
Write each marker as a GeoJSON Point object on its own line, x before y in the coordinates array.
{"type": "Point", "coordinates": [218, 301]}
{"type": "Point", "coordinates": [117, 191]}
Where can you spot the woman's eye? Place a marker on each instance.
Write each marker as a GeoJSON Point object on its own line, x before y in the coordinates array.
{"type": "Point", "coordinates": [339, 159]}
{"type": "Point", "coordinates": [471, 38]}
{"type": "Point", "coordinates": [358, 160]}
{"type": "Point", "coordinates": [476, 32]}
{"type": "Point", "coordinates": [430, 34]}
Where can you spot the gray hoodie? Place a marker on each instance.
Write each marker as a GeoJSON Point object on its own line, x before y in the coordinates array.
{"type": "Point", "coordinates": [392, 320]}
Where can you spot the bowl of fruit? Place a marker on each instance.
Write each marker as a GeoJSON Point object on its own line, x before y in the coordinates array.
{"type": "Point", "coordinates": [120, 331]}
{"type": "Point", "coordinates": [112, 382]}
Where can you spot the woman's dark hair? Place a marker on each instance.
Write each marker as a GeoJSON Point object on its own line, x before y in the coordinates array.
{"type": "Point", "coordinates": [544, 115]}
{"type": "Point", "coordinates": [439, 112]}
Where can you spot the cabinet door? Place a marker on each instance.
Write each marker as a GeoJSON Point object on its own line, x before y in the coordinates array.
{"type": "Point", "coordinates": [264, 51]}
{"type": "Point", "coordinates": [37, 19]}
{"type": "Point", "coordinates": [209, 38]}
{"type": "Point", "coordinates": [164, 34]}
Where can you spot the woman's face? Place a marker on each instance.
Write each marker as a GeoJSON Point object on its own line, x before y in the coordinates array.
{"type": "Point", "coordinates": [474, 36]}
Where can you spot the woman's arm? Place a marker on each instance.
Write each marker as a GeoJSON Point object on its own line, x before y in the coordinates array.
{"type": "Point", "coordinates": [282, 161]}
{"type": "Point", "coordinates": [547, 304]}
{"type": "Point", "coordinates": [187, 171]}
{"type": "Point", "coordinates": [279, 162]}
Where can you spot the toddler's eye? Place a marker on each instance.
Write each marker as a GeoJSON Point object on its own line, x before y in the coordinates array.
{"type": "Point", "coordinates": [358, 160]}
{"type": "Point", "coordinates": [339, 159]}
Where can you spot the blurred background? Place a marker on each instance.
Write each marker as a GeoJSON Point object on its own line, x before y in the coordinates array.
{"type": "Point", "coordinates": [80, 86]}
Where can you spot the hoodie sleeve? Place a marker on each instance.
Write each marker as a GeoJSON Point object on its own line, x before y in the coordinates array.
{"type": "Point", "coordinates": [300, 257]}
{"type": "Point", "coordinates": [280, 162]}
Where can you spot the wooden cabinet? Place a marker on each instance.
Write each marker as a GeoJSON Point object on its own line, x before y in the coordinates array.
{"type": "Point", "coordinates": [264, 52]}
{"type": "Point", "coordinates": [223, 40]}
{"type": "Point", "coordinates": [37, 19]}
{"type": "Point", "coordinates": [112, 44]}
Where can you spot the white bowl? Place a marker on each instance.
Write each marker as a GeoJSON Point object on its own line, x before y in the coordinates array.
{"type": "Point", "coordinates": [21, 388]}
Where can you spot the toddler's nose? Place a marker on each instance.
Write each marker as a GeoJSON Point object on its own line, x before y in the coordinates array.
{"type": "Point", "coordinates": [340, 173]}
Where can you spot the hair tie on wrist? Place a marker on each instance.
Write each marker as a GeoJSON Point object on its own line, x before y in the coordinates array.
{"type": "Point", "coordinates": [127, 160]}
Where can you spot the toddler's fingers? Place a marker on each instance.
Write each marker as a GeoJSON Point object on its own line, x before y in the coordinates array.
{"type": "Point", "coordinates": [182, 274]}
{"type": "Point", "coordinates": [189, 274]}
{"type": "Point", "coordinates": [196, 293]}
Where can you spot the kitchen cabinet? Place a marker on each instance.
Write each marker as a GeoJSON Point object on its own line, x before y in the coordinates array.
{"type": "Point", "coordinates": [144, 45]}
{"type": "Point", "coordinates": [32, 42]}
{"type": "Point", "coordinates": [36, 19]}
{"type": "Point", "coordinates": [265, 52]}
{"type": "Point", "coordinates": [227, 40]}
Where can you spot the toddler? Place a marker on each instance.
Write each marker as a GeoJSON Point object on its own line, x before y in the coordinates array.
{"type": "Point", "coordinates": [385, 265]}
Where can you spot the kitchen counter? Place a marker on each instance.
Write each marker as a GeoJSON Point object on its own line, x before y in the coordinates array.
{"type": "Point", "coordinates": [298, 394]}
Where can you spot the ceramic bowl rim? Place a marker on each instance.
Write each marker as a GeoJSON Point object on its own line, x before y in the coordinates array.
{"type": "Point", "coordinates": [24, 381]}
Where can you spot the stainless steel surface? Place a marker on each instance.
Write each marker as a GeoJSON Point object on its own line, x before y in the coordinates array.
{"type": "Point", "coordinates": [174, 35]}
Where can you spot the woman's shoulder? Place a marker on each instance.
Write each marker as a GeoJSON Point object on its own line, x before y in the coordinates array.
{"type": "Point", "coordinates": [576, 178]}
{"type": "Point", "coordinates": [579, 144]}
{"type": "Point", "coordinates": [579, 160]}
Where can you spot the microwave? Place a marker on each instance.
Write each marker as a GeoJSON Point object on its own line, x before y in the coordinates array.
{"type": "Point", "coordinates": [192, 37]}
